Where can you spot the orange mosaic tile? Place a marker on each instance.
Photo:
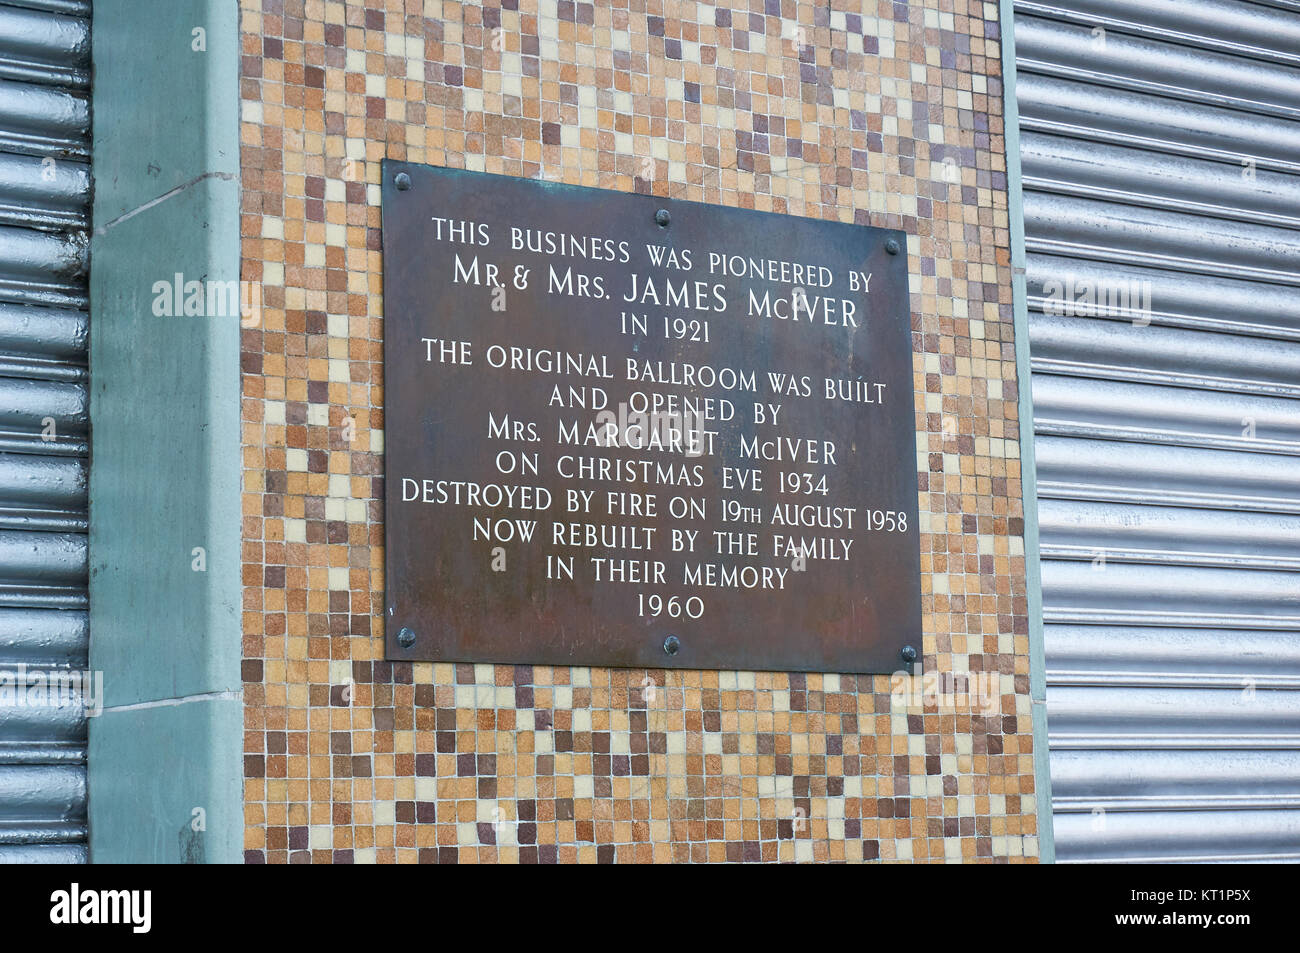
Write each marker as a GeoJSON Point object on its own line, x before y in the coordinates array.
{"type": "Point", "coordinates": [878, 112]}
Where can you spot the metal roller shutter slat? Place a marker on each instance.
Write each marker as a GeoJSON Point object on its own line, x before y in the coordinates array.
{"type": "Point", "coordinates": [45, 188]}
{"type": "Point", "coordinates": [1162, 228]}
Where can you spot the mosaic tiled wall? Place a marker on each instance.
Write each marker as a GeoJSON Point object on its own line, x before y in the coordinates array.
{"type": "Point", "coordinates": [883, 113]}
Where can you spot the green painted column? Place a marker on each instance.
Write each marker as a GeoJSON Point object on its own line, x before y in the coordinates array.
{"type": "Point", "coordinates": [1028, 466]}
{"type": "Point", "coordinates": [166, 753]}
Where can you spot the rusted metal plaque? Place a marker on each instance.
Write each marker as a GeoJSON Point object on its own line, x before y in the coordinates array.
{"type": "Point", "coordinates": [629, 431]}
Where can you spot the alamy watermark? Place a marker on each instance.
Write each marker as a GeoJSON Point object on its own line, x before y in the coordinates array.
{"type": "Point", "coordinates": [641, 428]}
{"type": "Point", "coordinates": [24, 687]}
{"type": "Point", "coordinates": [78, 906]}
{"type": "Point", "coordinates": [1098, 299]}
{"type": "Point", "coordinates": [207, 298]}
{"type": "Point", "coordinates": [946, 691]}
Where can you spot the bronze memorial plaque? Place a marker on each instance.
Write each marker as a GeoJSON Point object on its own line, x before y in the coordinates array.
{"type": "Point", "coordinates": [633, 431]}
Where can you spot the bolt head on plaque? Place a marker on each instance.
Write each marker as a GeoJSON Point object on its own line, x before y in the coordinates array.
{"type": "Point", "coordinates": [672, 645]}
{"type": "Point", "coordinates": [891, 246]}
{"type": "Point", "coordinates": [402, 181]}
{"type": "Point", "coordinates": [662, 218]}
{"type": "Point", "coordinates": [909, 654]}
{"type": "Point", "coordinates": [406, 637]}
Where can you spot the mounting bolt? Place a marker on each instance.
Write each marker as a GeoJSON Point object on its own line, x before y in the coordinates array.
{"type": "Point", "coordinates": [661, 217]}
{"type": "Point", "coordinates": [406, 637]}
{"type": "Point", "coordinates": [402, 181]}
{"type": "Point", "coordinates": [671, 645]}
{"type": "Point", "coordinates": [891, 246]}
{"type": "Point", "coordinates": [909, 654]}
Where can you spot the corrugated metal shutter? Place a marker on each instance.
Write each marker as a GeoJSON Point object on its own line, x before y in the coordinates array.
{"type": "Point", "coordinates": [1160, 149]}
{"type": "Point", "coordinates": [44, 208]}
